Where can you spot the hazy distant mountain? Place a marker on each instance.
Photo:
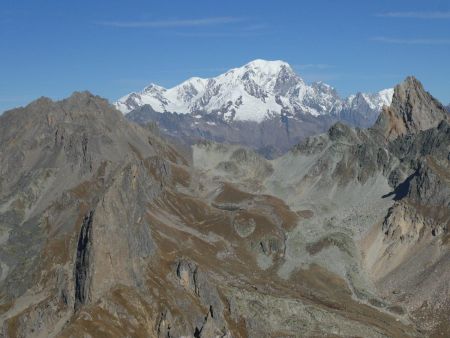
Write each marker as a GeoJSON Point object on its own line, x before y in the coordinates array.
{"type": "Point", "coordinates": [259, 94]}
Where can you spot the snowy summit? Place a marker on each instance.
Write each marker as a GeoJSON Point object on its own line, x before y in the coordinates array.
{"type": "Point", "coordinates": [254, 92]}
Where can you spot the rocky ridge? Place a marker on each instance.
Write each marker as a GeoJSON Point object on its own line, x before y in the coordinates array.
{"type": "Point", "coordinates": [107, 230]}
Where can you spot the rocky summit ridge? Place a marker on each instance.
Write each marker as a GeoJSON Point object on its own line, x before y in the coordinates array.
{"type": "Point", "coordinates": [412, 110]}
{"type": "Point", "coordinates": [107, 230]}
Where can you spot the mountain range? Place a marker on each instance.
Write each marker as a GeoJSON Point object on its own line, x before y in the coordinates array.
{"type": "Point", "coordinates": [107, 230]}
{"type": "Point", "coordinates": [264, 105]}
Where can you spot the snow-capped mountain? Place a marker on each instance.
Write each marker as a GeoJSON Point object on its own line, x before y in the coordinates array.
{"type": "Point", "coordinates": [264, 105]}
{"type": "Point", "coordinates": [257, 91]}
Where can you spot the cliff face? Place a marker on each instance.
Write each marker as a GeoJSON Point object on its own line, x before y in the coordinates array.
{"type": "Point", "coordinates": [106, 230]}
{"type": "Point", "coordinates": [412, 110]}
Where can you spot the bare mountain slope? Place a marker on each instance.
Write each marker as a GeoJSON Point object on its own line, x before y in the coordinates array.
{"type": "Point", "coordinates": [106, 231]}
{"type": "Point", "coordinates": [375, 205]}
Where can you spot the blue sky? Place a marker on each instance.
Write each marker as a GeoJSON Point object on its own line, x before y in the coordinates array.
{"type": "Point", "coordinates": [52, 48]}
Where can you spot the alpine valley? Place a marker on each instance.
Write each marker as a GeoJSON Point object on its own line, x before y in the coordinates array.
{"type": "Point", "coordinates": [108, 229]}
{"type": "Point", "coordinates": [263, 105]}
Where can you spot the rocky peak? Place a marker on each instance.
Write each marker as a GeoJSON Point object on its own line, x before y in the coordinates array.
{"type": "Point", "coordinates": [286, 80]}
{"type": "Point", "coordinates": [80, 98]}
{"type": "Point", "coordinates": [264, 77]}
{"type": "Point", "coordinates": [44, 112]}
{"type": "Point", "coordinates": [153, 88]}
{"type": "Point", "coordinates": [325, 88]}
{"type": "Point", "coordinates": [83, 99]}
{"type": "Point", "coordinates": [340, 131]}
{"type": "Point", "coordinates": [357, 100]}
{"type": "Point", "coordinates": [83, 95]}
{"type": "Point", "coordinates": [267, 67]}
{"type": "Point", "coordinates": [83, 105]}
{"type": "Point", "coordinates": [412, 110]}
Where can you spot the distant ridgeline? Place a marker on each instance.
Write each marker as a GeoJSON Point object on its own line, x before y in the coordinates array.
{"type": "Point", "coordinates": [264, 105]}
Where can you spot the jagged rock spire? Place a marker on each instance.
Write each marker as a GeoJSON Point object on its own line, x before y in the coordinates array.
{"type": "Point", "coordinates": [412, 109]}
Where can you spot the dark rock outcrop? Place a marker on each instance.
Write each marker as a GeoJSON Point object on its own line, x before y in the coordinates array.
{"type": "Point", "coordinates": [83, 264]}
